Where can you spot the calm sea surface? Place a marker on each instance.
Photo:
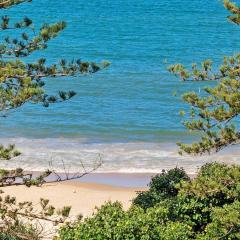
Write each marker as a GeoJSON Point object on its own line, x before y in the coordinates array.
{"type": "Point", "coordinates": [127, 112]}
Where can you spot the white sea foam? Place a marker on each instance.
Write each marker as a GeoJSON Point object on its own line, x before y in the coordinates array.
{"type": "Point", "coordinates": [137, 157]}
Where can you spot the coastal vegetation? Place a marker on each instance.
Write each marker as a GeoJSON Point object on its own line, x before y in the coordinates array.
{"type": "Point", "coordinates": [175, 206]}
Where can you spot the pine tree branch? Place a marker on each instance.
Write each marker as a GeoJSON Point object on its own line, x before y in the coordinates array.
{"type": "Point", "coordinates": [9, 3]}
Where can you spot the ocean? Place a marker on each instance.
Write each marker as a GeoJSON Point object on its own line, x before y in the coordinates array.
{"type": "Point", "coordinates": [129, 113]}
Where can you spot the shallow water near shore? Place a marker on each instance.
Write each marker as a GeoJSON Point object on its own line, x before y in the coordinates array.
{"type": "Point", "coordinates": [126, 114]}
{"type": "Point", "coordinates": [134, 157]}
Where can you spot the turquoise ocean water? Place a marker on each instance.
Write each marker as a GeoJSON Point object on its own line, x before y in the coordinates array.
{"type": "Point", "coordinates": [127, 112]}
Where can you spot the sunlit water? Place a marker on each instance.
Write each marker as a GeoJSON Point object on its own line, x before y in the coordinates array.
{"type": "Point", "coordinates": [126, 113]}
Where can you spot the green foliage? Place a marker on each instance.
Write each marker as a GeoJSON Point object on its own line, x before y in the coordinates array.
{"type": "Point", "coordinates": [213, 111]}
{"type": "Point", "coordinates": [21, 231]}
{"type": "Point", "coordinates": [206, 207]}
{"type": "Point", "coordinates": [4, 236]}
{"type": "Point", "coordinates": [234, 10]}
{"type": "Point", "coordinates": [18, 176]}
{"type": "Point", "coordinates": [162, 186]}
{"type": "Point", "coordinates": [215, 186]}
{"type": "Point", "coordinates": [217, 183]}
{"type": "Point", "coordinates": [9, 152]}
{"type": "Point", "coordinates": [21, 220]}
{"type": "Point", "coordinates": [111, 222]}
{"type": "Point", "coordinates": [225, 223]}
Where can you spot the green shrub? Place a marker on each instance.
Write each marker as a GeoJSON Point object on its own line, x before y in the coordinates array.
{"type": "Point", "coordinates": [215, 185]}
{"type": "Point", "coordinates": [162, 186]}
{"type": "Point", "coordinates": [225, 223]}
{"type": "Point", "coordinates": [204, 208]}
{"type": "Point", "coordinates": [3, 236]}
{"type": "Point", "coordinates": [111, 222]}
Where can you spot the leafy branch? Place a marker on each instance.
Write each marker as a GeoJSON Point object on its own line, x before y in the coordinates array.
{"type": "Point", "coordinates": [213, 112]}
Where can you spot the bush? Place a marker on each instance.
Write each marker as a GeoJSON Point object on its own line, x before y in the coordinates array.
{"type": "Point", "coordinates": [3, 236]}
{"type": "Point", "coordinates": [225, 223]}
{"type": "Point", "coordinates": [162, 186]}
{"type": "Point", "coordinates": [215, 186]}
{"type": "Point", "coordinates": [207, 207]}
{"type": "Point", "coordinates": [111, 222]}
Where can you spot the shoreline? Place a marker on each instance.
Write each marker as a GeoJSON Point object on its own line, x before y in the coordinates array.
{"type": "Point", "coordinates": [114, 179]}
{"type": "Point", "coordinates": [123, 164]}
{"type": "Point", "coordinates": [125, 180]}
{"type": "Point", "coordinates": [120, 159]}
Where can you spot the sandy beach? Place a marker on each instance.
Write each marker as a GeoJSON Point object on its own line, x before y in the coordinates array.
{"type": "Point", "coordinates": [83, 197]}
